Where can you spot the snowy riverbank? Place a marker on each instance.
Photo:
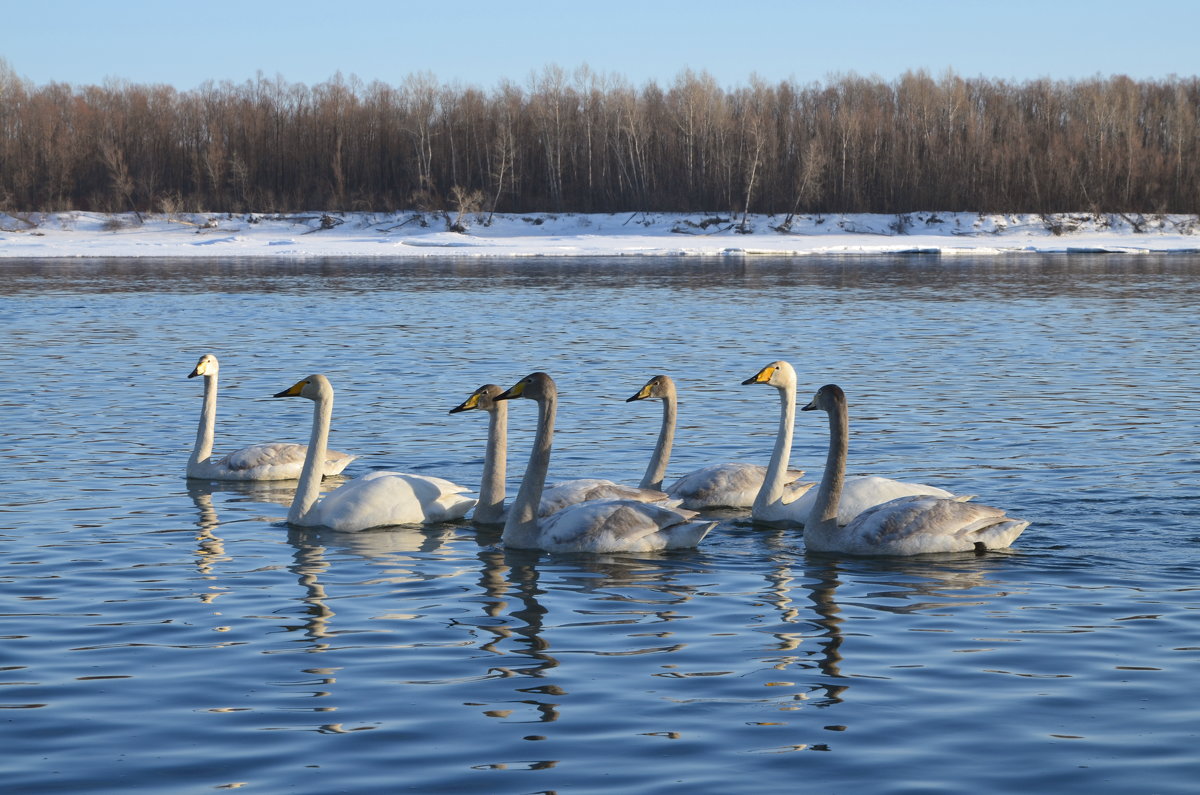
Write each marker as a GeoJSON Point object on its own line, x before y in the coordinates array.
{"type": "Point", "coordinates": [408, 234]}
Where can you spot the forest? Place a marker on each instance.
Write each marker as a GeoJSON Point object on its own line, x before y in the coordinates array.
{"type": "Point", "coordinates": [580, 141]}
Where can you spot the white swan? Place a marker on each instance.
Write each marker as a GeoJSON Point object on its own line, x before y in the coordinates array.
{"type": "Point", "coordinates": [729, 485]}
{"type": "Point", "coordinates": [910, 525]}
{"type": "Point", "coordinates": [592, 526]}
{"type": "Point", "coordinates": [376, 499]}
{"type": "Point", "coordinates": [493, 486]}
{"type": "Point", "coordinates": [270, 461]}
{"type": "Point", "coordinates": [858, 493]}
{"type": "Point", "coordinates": [776, 501]}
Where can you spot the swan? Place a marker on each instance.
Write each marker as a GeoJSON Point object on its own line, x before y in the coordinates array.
{"type": "Point", "coordinates": [776, 501]}
{"type": "Point", "coordinates": [270, 461]}
{"type": "Point", "coordinates": [910, 525]}
{"type": "Point", "coordinates": [729, 485]}
{"type": "Point", "coordinates": [490, 507]}
{"type": "Point", "coordinates": [492, 488]}
{"type": "Point", "coordinates": [858, 493]}
{"type": "Point", "coordinates": [373, 500]}
{"type": "Point", "coordinates": [608, 525]}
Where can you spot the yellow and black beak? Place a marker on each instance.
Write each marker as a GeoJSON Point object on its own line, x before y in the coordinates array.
{"type": "Point", "coordinates": [762, 376]}
{"type": "Point", "coordinates": [515, 391]}
{"type": "Point", "coordinates": [293, 390]}
{"type": "Point", "coordinates": [470, 403]}
{"type": "Point", "coordinates": [642, 394]}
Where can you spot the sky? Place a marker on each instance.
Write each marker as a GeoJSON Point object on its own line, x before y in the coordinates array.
{"type": "Point", "coordinates": [469, 42]}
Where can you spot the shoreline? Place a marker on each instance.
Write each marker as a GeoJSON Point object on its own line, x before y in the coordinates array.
{"type": "Point", "coordinates": [412, 234]}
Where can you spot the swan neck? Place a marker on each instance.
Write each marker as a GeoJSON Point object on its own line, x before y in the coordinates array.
{"type": "Point", "coordinates": [206, 431]}
{"type": "Point", "coordinates": [309, 488]}
{"type": "Point", "coordinates": [772, 487]}
{"type": "Point", "coordinates": [823, 518]}
{"type": "Point", "coordinates": [521, 528]}
{"type": "Point", "coordinates": [490, 508]}
{"type": "Point", "coordinates": [656, 470]}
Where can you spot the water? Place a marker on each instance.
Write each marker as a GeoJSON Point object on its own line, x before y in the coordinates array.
{"type": "Point", "coordinates": [162, 636]}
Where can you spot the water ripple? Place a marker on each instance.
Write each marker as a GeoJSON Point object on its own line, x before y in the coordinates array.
{"type": "Point", "coordinates": [165, 634]}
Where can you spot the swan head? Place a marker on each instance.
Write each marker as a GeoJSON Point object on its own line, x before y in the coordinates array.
{"type": "Point", "coordinates": [828, 398]}
{"type": "Point", "coordinates": [535, 386]}
{"type": "Point", "coordinates": [315, 387]}
{"type": "Point", "coordinates": [483, 399]}
{"type": "Point", "coordinates": [778, 374]}
{"type": "Point", "coordinates": [659, 387]}
{"type": "Point", "coordinates": [206, 366]}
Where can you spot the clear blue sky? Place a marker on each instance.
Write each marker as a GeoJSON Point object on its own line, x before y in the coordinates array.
{"type": "Point", "coordinates": [479, 43]}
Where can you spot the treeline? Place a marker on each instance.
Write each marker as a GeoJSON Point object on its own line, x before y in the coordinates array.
{"type": "Point", "coordinates": [585, 142]}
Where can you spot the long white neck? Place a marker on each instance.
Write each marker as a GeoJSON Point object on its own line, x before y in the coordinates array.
{"type": "Point", "coordinates": [772, 487]}
{"type": "Point", "coordinates": [823, 518]}
{"type": "Point", "coordinates": [657, 468]}
{"type": "Point", "coordinates": [309, 488]}
{"type": "Point", "coordinates": [490, 508]}
{"type": "Point", "coordinates": [521, 528]}
{"type": "Point", "coordinates": [202, 450]}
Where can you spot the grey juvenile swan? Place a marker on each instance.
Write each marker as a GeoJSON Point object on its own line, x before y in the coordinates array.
{"type": "Point", "coordinates": [270, 461]}
{"type": "Point", "coordinates": [376, 499]}
{"type": "Point", "coordinates": [730, 485]}
{"type": "Point", "coordinates": [910, 525]}
{"type": "Point", "coordinates": [493, 486]}
{"type": "Point", "coordinates": [592, 526]}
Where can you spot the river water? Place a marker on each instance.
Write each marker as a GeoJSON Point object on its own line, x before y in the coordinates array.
{"type": "Point", "coordinates": [158, 635]}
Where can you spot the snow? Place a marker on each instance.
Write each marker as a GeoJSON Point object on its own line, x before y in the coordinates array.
{"type": "Point", "coordinates": [410, 234]}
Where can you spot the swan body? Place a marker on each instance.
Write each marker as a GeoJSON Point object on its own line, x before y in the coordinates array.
{"type": "Point", "coordinates": [563, 493]}
{"type": "Point", "coordinates": [778, 500]}
{"type": "Point", "coordinates": [269, 461]}
{"type": "Point", "coordinates": [867, 491]}
{"type": "Point", "coordinates": [605, 525]}
{"type": "Point", "coordinates": [376, 499]}
{"type": "Point", "coordinates": [908, 525]}
{"type": "Point", "coordinates": [729, 485]}
{"type": "Point", "coordinates": [491, 508]}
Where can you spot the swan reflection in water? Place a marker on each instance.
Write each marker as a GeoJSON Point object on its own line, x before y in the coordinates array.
{"type": "Point", "coordinates": [512, 594]}
{"type": "Point", "coordinates": [900, 586]}
{"type": "Point", "coordinates": [211, 546]}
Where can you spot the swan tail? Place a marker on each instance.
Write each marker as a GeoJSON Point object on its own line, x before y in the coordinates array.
{"type": "Point", "coordinates": [335, 462]}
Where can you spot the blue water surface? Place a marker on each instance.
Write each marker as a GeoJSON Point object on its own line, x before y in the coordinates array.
{"type": "Point", "coordinates": [161, 635]}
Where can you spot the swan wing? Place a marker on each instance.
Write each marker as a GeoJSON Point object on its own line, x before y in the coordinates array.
{"type": "Point", "coordinates": [268, 461]}
{"type": "Point", "coordinates": [559, 495]}
{"type": "Point", "coordinates": [730, 485]}
{"type": "Point", "coordinates": [379, 499]}
{"type": "Point", "coordinates": [915, 525]}
{"type": "Point", "coordinates": [621, 526]}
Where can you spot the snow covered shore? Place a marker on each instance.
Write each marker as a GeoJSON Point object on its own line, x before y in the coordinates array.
{"type": "Point", "coordinates": [409, 234]}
